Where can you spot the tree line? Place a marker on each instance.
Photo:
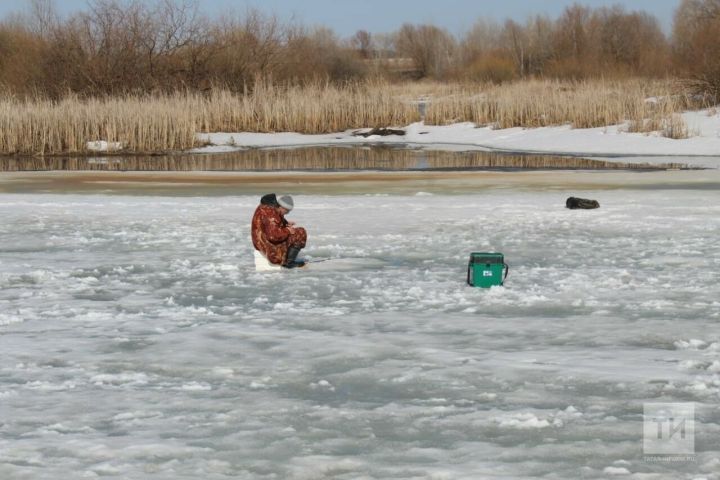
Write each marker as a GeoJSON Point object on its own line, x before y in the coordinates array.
{"type": "Point", "coordinates": [131, 46]}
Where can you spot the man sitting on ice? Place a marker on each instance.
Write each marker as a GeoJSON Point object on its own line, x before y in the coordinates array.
{"type": "Point", "coordinates": [276, 238]}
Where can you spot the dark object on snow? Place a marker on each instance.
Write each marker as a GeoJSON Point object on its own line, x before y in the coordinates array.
{"type": "Point", "coordinates": [575, 202]}
{"type": "Point", "coordinates": [384, 132]}
{"type": "Point", "coordinates": [269, 199]}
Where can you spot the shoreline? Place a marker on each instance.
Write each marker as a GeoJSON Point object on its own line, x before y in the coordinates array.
{"type": "Point", "coordinates": [452, 147]}
{"type": "Point", "coordinates": [458, 147]}
{"type": "Point", "coordinates": [385, 156]}
{"type": "Point", "coordinates": [609, 142]}
{"type": "Point", "coordinates": [355, 182]}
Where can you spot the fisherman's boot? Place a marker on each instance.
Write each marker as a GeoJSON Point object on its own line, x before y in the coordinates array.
{"type": "Point", "coordinates": [292, 260]}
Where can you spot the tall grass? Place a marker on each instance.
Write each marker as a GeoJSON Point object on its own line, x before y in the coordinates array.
{"type": "Point", "coordinates": [314, 108]}
{"type": "Point", "coordinates": [159, 123]}
{"type": "Point", "coordinates": [170, 122]}
{"type": "Point", "coordinates": [42, 127]}
{"type": "Point", "coordinates": [539, 103]}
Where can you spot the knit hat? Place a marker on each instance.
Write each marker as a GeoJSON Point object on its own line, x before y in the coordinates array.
{"type": "Point", "coordinates": [286, 201]}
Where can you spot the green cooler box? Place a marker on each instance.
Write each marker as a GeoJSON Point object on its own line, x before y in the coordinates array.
{"type": "Point", "coordinates": [486, 269]}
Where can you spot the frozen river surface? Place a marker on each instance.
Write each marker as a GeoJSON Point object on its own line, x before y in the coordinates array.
{"type": "Point", "coordinates": [137, 341]}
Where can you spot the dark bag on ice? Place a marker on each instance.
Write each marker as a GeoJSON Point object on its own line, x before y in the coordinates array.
{"type": "Point", "coordinates": [575, 202]}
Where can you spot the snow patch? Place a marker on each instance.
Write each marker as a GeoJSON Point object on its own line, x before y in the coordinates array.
{"type": "Point", "coordinates": [611, 140]}
{"type": "Point", "coordinates": [616, 471]}
{"type": "Point", "coordinates": [103, 146]}
{"type": "Point", "coordinates": [521, 421]}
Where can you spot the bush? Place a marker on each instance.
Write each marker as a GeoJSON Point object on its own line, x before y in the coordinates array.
{"type": "Point", "coordinates": [491, 68]}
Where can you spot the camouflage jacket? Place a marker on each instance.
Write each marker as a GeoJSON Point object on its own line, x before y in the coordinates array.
{"type": "Point", "coordinates": [270, 233]}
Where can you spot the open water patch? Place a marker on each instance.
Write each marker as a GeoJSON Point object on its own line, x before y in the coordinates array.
{"type": "Point", "coordinates": [331, 159]}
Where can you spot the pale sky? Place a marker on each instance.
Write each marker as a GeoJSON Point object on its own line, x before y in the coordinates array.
{"type": "Point", "coordinates": [345, 17]}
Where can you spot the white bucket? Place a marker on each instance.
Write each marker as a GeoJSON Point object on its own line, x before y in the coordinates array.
{"type": "Point", "coordinates": [262, 264]}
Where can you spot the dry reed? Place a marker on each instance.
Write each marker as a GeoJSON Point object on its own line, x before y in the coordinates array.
{"type": "Point", "coordinates": [314, 108]}
{"type": "Point", "coordinates": [43, 127]}
{"type": "Point", "coordinates": [162, 123]}
{"type": "Point", "coordinates": [642, 104]}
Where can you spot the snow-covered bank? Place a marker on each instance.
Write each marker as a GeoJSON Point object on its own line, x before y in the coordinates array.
{"type": "Point", "coordinates": [704, 128]}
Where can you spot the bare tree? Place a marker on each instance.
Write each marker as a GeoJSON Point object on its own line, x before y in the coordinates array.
{"type": "Point", "coordinates": [176, 29]}
{"type": "Point", "coordinates": [484, 37]}
{"type": "Point", "coordinates": [695, 43]}
{"type": "Point", "coordinates": [538, 32]}
{"type": "Point", "coordinates": [431, 48]}
{"type": "Point", "coordinates": [249, 46]}
{"type": "Point", "coordinates": [118, 46]}
{"type": "Point", "coordinates": [43, 17]}
{"type": "Point", "coordinates": [572, 42]}
{"type": "Point", "coordinates": [362, 41]}
{"type": "Point", "coordinates": [483, 54]}
{"type": "Point", "coordinates": [516, 42]}
{"type": "Point", "coordinates": [631, 42]}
